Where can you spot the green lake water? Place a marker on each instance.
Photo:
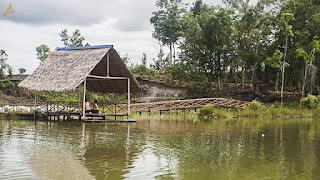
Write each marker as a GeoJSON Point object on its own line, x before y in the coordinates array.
{"type": "Point", "coordinates": [166, 149]}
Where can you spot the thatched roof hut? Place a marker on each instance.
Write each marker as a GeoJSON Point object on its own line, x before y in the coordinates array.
{"type": "Point", "coordinates": [66, 68]}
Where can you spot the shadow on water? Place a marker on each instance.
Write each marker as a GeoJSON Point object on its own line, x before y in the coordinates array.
{"type": "Point", "coordinates": [243, 148]}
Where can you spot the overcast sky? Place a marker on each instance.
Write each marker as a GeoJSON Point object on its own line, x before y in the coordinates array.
{"type": "Point", "coordinates": [122, 23]}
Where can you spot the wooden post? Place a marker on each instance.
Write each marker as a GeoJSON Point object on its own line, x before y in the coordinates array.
{"type": "Point", "coordinates": [84, 99]}
{"type": "Point", "coordinates": [108, 65]}
{"type": "Point", "coordinates": [79, 97]}
{"type": "Point", "coordinates": [47, 110]}
{"type": "Point", "coordinates": [128, 98]}
{"type": "Point", "coordinates": [64, 99]}
{"type": "Point", "coordinates": [35, 103]}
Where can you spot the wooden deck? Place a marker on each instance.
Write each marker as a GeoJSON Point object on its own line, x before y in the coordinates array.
{"type": "Point", "coordinates": [67, 111]}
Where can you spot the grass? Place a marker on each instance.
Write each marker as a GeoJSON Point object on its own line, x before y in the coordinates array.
{"type": "Point", "coordinates": [191, 114]}
{"type": "Point", "coordinates": [267, 112]}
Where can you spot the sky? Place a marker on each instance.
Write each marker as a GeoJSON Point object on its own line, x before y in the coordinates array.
{"type": "Point", "coordinates": [122, 23]}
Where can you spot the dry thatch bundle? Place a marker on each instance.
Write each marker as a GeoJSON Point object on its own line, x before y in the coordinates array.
{"type": "Point", "coordinates": [67, 68]}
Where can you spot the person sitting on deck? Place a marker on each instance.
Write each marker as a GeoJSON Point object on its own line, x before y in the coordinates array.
{"type": "Point", "coordinates": [87, 106]}
{"type": "Point", "coordinates": [95, 107]}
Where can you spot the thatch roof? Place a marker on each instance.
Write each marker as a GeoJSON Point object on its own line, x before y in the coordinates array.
{"type": "Point", "coordinates": [66, 68]}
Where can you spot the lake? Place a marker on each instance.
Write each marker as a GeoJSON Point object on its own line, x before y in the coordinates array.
{"type": "Point", "coordinates": [161, 149]}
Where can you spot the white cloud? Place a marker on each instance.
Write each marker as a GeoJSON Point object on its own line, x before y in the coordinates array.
{"type": "Point", "coordinates": [123, 23]}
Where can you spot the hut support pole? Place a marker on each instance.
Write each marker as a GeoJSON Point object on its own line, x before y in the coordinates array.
{"type": "Point", "coordinates": [128, 98]}
{"type": "Point", "coordinates": [108, 65]}
{"type": "Point", "coordinates": [79, 97]}
{"type": "Point", "coordinates": [35, 103]}
{"type": "Point", "coordinates": [64, 99]}
{"type": "Point", "coordinates": [84, 99]}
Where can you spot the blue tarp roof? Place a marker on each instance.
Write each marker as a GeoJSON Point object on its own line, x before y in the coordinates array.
{"type": "Point", "coordinates": [84, 47]}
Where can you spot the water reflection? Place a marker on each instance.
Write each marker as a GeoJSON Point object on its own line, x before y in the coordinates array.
{"type": "Point", "coordinates": [218, 149]}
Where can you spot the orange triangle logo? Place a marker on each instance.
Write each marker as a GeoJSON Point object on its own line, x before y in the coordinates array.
{"type": "Point", "coordinates": [9, 10]}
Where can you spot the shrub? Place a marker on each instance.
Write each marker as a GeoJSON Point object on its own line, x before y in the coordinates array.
{"type": "Point", "coordinates": [206, 110]}
{"type": "Point", "coordinates": [135, 100]}
{"type": "Point", "coordinates": [310, 101]}
{"type": "Point", "coordinates": [255, 105]}
{"type": "Point", "coordinates": [10, 84]}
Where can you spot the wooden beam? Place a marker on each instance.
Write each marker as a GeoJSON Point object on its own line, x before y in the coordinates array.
{"type": "Point", "coordinates": [108, 64]}
{"type": "Point", "coordinates": [108, 77]}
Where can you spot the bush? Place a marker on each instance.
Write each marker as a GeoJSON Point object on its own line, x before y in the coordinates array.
{"type": "Point", "coordinates": [255, 105]}
{"type": "Point", "coordinates": [206, 110]}
{"type": "Point", "coordinates": [135, 100]}
{"type": "Point", "coordinates": [310, 101]}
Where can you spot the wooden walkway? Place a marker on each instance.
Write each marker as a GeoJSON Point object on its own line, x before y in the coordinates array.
{"type": "Point", "coordinates": [188, 104]}
{"type": "Point", "coordinates": [71, 110]}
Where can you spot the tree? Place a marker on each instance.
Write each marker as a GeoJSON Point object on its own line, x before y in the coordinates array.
{"type": "Point", "coordinates": [22, 70]}
{"type": "Point", "coordinates": [144, 59]}
{"type": "Point", "coordinates": [287, 28]}
{"type": "Point", "coordinates": [243, 24]}
{"type": "Point", "coordinates": [71, 41]}
{"type": "Point", "coordinates": [3, 64]}
{"type": "Point", "coordinates": [276, 62]}
{"type": "Point", "coordinates": [10, 71]}
{"type": "Point", "coordinates": [126, 59]}
{"type": "Point", "coordinates": [206, 44]}
{"type": "Point", "coordinates": [197, 7]}
{"type": "Point", "coordinates": [43, 52]}
{"type": "Point", "coordinates": [310, 70]}
{"type": "Point", "coordinates": [160, 65]}
{"type": "Point", "coordinates": [167, 23]}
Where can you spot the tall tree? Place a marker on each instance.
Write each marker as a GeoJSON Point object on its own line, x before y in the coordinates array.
{"type": "Point", "coordinates": [310, 69]}
{"type": "Point", "coordinates": [167, 23]}
{"type": "Point", "coordinates": [285, 26]}
{"type": "Point", "coordinates": [244, 24]}
{"type": "Point", "coordinates": [71, 41]}
{"type": "Point", "coordinates": [206, 43]}
{"type": "Point", "coordinates": [3, 64]}
{"type": "Point", "coordinates": [43, 52]}
{"type": "Point", "coordinates": [144, 59]}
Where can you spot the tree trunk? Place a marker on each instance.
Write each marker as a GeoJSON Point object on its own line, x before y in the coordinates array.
{"type": "Point", "coordinates": [304, 81]}
{"type": "Point", "coordinates": [277, 82]}
{"type": "Point", "coordinates": [170, 54]}
{"type": "Point", "coordinates": [284, 60]}
{"type": "Point", "coordinates": [174, 54]}
{"type": "Point", "coordinates": [219, 84]}
{"type": "Point", "coordinates": [243, 78]}
{"type": "Point", "coordinates": [235, 78]}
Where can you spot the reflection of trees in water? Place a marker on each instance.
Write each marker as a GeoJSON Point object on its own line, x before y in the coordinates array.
{"type": "Point", "coordinates": [221, 149]}
{"type": "Point", "coordinates": [229, 149]}
{"type": "Point", "coordinates": [110, 152]}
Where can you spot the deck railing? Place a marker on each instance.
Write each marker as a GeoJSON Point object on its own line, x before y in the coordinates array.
{"type": "Point", "coordinates": [54, 106]}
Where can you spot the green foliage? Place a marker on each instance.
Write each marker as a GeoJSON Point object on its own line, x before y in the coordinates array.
{"type": "Point", "coordinates": [72, 41]}
{"type": "Point", "coordinates": [206, 110]}
{"type": "Point", "coordinates": [310, 101]}
{"type": "Point", "coordinates": [3, 64]}
{"type": "Point", "coordinates": [10, 71]}
{"type": "Point", "coordinates": [135, 100]}
{"type": "Point", "coordinates": [144, 59]}
{"type": "Point", "coordinates": [10, 84]}
{"type": "Point", "coordinates": [22, 70]}
{"type": "Point", "coordinates": [43, 52]}
{"type": "Point", "coordinates": [125, 58]}
{"type": "Point", "coordinates": [167, 22]}
{"type": "Point", "coordinates": [255, 105]}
